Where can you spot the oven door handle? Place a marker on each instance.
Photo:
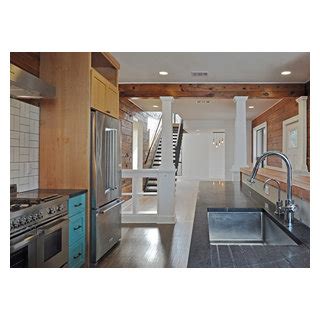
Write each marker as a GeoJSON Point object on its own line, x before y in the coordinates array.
{"type": "Point", "coordinates": [52, 227]}
{"type": "Point", "coordinates": [20, 244]}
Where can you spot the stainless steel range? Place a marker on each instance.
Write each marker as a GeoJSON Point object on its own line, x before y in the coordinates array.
{"type": "Point", "coordinates": [39, 229]}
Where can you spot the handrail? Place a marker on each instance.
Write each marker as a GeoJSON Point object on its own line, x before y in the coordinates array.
{"type": "Point", "coordinates": [178, 145]}
{"type": "Point", "coordinates": [154, 139]}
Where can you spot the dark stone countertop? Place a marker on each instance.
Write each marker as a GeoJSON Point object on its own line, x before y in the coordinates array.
{"type": "Point", "coordinates": [65, 192]}
{"type": "Point", "coordinates": [230, 194]}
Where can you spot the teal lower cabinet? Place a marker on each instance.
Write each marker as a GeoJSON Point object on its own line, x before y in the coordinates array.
{"type": "Point", "coordinates": [77, 230]}
{"type": "Point", "coordinates": [76, 254]}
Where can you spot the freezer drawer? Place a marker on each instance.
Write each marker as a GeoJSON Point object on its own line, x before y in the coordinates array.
{"type": "Point", "coordinates": [107, 228]}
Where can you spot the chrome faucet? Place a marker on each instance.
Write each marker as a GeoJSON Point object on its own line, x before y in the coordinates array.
{"type": "Point", "coordinates": [279, 203]}
{"type": "Point", "coordinates": [289, 208]}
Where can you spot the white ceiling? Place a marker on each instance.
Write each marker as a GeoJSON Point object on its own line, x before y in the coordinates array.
{"type": "Point", "coordinates": [221, 66]}
{"type": "Point", "coordinates": [211, 109]}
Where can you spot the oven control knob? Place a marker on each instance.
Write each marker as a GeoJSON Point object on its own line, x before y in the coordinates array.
{"type": "Point", "coordinates": [60, 208]}
{"type": "Point", "coordinates": [11, 225]}
{"type": "Point", "coordinates": [23, 221]}
{"type": "Point", "coordinates": [40, 215]}
{"type": "Point", "coordinates": [16, 223]}
{"type": "Point", "coordinates": [51, 210]}
{"type": "Point", "coordinates": [29, 219]}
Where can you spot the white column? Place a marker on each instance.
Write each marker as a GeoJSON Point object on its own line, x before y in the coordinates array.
{"type": "Point", "coordinates": [302, 135]}
{"type": "Point", "coordinates": [240, 137]}
{"type": "Point", "coordinates": [166, 178]}
{"type": "Point", "coordinates": [167, 134]}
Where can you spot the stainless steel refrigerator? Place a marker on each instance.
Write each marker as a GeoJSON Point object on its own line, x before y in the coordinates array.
{"type": "Point", "coordinates": [105, 193]}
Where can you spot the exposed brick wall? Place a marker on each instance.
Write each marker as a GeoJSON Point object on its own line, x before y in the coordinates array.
{"type": "Point", "coordinates": [284, 109]}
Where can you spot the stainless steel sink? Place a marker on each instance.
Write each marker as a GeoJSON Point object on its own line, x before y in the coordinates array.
{"type": "Point", "coordinates": [246, 226]}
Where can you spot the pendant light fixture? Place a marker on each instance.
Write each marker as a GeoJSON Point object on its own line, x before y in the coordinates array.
{"type": "Point", "coordinates": [218, 139]}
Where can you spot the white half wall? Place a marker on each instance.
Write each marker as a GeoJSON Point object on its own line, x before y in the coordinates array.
{"type": "Point", "coordinates": [197, 148]}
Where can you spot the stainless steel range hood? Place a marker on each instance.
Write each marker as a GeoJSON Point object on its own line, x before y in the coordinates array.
{"type": "Point", "coordinates": [27, 86]}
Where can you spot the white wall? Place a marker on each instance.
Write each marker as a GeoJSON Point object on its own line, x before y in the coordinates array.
{"type": "Point", "coordinates": [24, 145]}
{"type": "Point", "coordinates": [196, 149]}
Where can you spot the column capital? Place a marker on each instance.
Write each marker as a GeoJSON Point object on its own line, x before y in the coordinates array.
{"type": "Point", "coordinates": [302, 98]}
{"type": "Point", "coordinates": [240, 99]}
{"type": "Point", "coordinates": [166, 99]}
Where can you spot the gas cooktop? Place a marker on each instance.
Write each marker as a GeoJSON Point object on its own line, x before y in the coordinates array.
{"type": "Point", "coordinates": [33, 207]}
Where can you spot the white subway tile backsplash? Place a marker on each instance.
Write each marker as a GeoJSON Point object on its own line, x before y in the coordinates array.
{"type": "Point", "coordinates": [15, 111]}
{"type": "Point", "coordinates": [24, 139]}
{"type": "Point", "coordinates": [24, 151]}
{"type": "Point", "coordinates": [14, 166]}
{"type": "Point", "coordinates": [34, 154]}
{"type": "Point", "coordinates": [34, 126]}
{"type": "Point", "coordinates": [14, 135]}
{"type": "Point", "coordinates": [24, 128]}
{"type": "Point", "coordinates": [14, 123]}
{"type": "Point", "coordinates": [33, 109]}
{"type": "Point", "coordinates": [14, 142]}
{"type": "Point", "coordinates": [25, 121]}
{"type": "Point", "coordinates": [14, 154]}
{"type": "Point", "coordinates": [34, 137]}
{"type": "Point", "coordinates": [24, 157]}
{"type": "Point", "coordinates": [24, 110]}
{"type": "Point", "coordinates": [24, 148]}
{"type": "Point", "coordinates": [14, 174]}
{"type": "Point", "coordinates": [33, 144]}
{"type": "Point", "coordinates": [34, 116]}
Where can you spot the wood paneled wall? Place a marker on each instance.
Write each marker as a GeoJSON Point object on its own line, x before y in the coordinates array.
{"type": "Point", "coordinates": [65, 121]}
{"type": "Point", "coordinates": [28, 61]}
{"type": "Point", "coordinates": [284, 109]}
{"type": "Point", "coordinates": [128, 110]}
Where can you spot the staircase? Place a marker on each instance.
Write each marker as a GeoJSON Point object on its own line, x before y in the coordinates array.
{"type": "Point", "coordinates": [152, 183]}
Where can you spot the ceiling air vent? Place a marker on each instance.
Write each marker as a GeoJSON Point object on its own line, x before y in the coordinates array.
{"type": "Point", "coordinates": [199, 73]}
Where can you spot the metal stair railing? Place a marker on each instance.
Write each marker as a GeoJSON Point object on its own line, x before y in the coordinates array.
{"type": "Point", "coordinates": [178, 145]}
{"type": "Point", "coordinates": [154, 144]}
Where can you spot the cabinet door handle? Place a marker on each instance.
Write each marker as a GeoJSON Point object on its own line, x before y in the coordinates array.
{"type": "Point", "coordinates": [77, 256]}
{"type": "Point", "coordinates": [78, 205]}
{"type": "Point", "coordinates": [108, 111]}
{"type": "Point", "coordinates": [76, 228]}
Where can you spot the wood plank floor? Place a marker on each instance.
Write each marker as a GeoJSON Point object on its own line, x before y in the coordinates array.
{"type": "Point", "coordinates": [158, 246]}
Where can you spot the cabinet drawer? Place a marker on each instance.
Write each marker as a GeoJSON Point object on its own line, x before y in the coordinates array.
{"type": "Point", "coordinates": [77, 226]}
{"type": "Point", "coordinates": [77, 254]}
{"type": "Point", "coordinates": [77, 204]}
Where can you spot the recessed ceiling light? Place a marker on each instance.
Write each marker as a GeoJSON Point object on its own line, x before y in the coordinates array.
{"type": "Point", "coordinates": [197, 130]}
{"type": "Point", "coordinates": [155, 106]}
{"type": "Point", "coordinates": [251, 107]}
{"type": "Point", "coordinates": [163, 73]}
{"type": "Point", "coordinates": [134, 98]}
{"type": "Point", "coordinates": [285, 73]}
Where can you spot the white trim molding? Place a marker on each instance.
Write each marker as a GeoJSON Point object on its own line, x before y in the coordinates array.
{"type": "Point", "coordinates": [240, 134]}
{"type": "Point", "coordinates": [302, 136]}
{"type": "Point", "coordinates": [298, 168]}
{"type": "Point", "coordinates": [165, 213]}
{"type": "Point", "coordinates": [254, 140]}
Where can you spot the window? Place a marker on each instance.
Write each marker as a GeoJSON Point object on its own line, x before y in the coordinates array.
{"type": "Point", "coordinates": [259, 141]}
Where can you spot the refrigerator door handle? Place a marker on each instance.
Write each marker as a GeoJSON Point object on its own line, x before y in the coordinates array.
{"type": "Point", "coordinates": [111, 207]}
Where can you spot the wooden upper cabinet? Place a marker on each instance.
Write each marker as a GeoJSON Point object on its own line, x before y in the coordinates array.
{"type": "Point", "coordinates": [112, 101]}
{"type": "Point", "coordinates": [104, 84]}
{"type": "Point", "coordinates": [98, 91]}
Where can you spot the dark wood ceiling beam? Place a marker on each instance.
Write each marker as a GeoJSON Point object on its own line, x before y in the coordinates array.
{"type": "Point", "coordinates": [222, 91]}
